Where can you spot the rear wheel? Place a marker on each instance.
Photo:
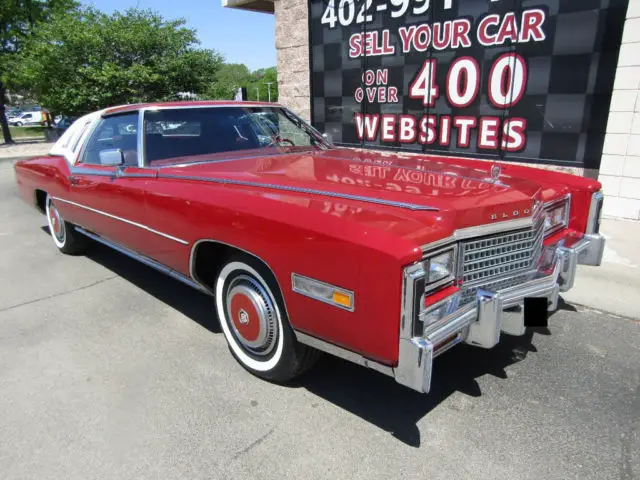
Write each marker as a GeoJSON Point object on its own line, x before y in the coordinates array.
{"type": "Point", "coordinates": [64, 236]}
{"type": "Point", "coordinates": [255, 324]}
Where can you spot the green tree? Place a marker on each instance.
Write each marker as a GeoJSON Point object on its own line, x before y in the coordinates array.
{"type": "Point", "coordinates": [88, 60]}
{"type": "Point", "coordinates": [231, 76]}
{"type": "Point", "coordinates": [227, 80]}
{"type": "Point", "coordinates": [260, 80]}
{"type": "Point", "coordinates": [18, 21]}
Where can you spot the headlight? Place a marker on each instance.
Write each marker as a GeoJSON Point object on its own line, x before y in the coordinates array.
{"type": "Point", "coordinates": [556, 215]}
{"type": "Point", "coordinates": [439, 266]}
{"type": "Point", "coordinates": [426, 301]}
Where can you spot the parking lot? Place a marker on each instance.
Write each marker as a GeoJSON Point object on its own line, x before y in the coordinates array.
{"type": "Point", "coordinates": [111, 370]}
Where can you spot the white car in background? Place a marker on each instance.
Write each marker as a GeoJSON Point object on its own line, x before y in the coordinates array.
{"type": "Point", "coordinates": [26, 118]}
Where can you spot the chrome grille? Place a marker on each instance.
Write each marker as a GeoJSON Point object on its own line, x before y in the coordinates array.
{"type": "Point", "coordinates": [488, 262]}
{"type": "Point", "coordinates": [469, 293]}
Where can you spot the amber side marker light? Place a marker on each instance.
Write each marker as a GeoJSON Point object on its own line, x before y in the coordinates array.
{"type": "Point", "coordinates": [323, 292]}
{"type": "Point", "coordinates": [342, 299]}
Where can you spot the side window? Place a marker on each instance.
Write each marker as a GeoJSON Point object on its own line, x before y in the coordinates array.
{"type": "Point", "coordinates": [116, 132]}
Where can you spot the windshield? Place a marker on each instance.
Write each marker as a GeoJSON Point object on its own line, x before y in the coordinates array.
{"type": "Point", "coordinates": [184, 135]}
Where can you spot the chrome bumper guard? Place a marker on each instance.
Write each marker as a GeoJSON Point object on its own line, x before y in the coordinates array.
{"type": "Point", "coordinates": [480, 323]}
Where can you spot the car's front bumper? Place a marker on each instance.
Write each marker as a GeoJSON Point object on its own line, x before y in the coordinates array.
{"type": "Point", "coordinates": [481, 322]}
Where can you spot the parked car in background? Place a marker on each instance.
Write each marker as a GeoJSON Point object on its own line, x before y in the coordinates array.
{"type": "Point", "coordinates": [62, 122]}
{"type": "Point", "coordinates": [27, 118]}
{"type": "Point", "coordinates": [13, 115]}
{"type": "Point", "coordinates": [385, 260]}
{"type": "Point", "coordinates": [13, 112]}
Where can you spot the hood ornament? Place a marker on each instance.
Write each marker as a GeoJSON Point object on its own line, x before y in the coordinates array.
{"type": "Point", "coordinates": [496, 171]}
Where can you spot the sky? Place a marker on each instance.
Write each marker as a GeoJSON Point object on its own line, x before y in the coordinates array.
{"type": "Point", "coordinates": [239, 35]}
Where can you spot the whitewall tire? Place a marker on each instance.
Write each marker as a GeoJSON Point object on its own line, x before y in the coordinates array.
{"type": "Point", "coordinates": [64, 236]}
{"type": "Point", "coordinates": [255, 323]}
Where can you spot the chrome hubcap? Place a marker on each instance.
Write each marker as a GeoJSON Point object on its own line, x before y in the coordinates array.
{"type": "Point", "coordinates": [56, 222]}
{"type": "Point", "coordinates": [252, 315]}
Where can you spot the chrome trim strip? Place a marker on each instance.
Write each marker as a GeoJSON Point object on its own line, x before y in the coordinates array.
{"type": "Point", "coordinates": [135, 224]}
{"type": "Point", "coordinates": [344, 291]}
{"type": "Point", "coordinates": [224, 160]}
{"type": "Point", "coordinates": [486, 229]}
{"type": "Point", "coordinates": [140, 139]}
{"type": "Point", "coordinates": [342, 353]}
{"type": "Point", "coordinates": [124, 174]}
{"type": "Point", "coordinates": [148, 107]}
{"type": "Point", "coordinates": [451, 324]}
{"type": "Point", "coordinates": [493, 228]}
{"type": "Point", "coordinates": [324, 193]}
{"type": "Point", "coordinates": [412, 279]}
{"type": "Point", "coordinates": [143, 259]}
{"type": "Point", "coordinates": [118, 172]}
{"type": "Point", "coordinates": [90, 171]}
{"type": "Point", "coordinates": [595, 212]}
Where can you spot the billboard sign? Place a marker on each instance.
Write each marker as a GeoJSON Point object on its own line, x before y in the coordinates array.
{"type": "Point", "coordinates": [510, 79]}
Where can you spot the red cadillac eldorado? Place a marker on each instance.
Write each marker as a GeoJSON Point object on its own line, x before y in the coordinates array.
{"type": "Point", "coordinates": [387, 260]}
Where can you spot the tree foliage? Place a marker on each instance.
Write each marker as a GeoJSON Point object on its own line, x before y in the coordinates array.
{"type": "Point", "coordinates": [86, 60]}
{"type": "Point", "coordinates": [234, 75]}
{"type": "Point", "coordinates": [18, 21]}
{"type": "Point", "coordinates": [227, 80]}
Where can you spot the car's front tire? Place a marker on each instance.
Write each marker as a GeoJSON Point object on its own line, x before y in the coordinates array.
{"type": "Point", "coordinates": [254, 321]}
{"type": "Point", "coordinates": [64, 236]}
{"type": "Point", "coordinates": [18, 124]}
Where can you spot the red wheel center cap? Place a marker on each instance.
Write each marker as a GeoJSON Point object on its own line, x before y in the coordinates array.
{"type": "Point", "coordinates": [55, 221]}
{"type": "Point", "coordinates": [245, 317]}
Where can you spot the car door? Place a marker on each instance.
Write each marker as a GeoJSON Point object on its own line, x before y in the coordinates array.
{"type": "Point", "coordinates": [106, 198]}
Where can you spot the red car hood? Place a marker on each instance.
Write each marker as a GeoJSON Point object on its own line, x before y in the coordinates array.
{"type": "Point", "coordinates": [421, 190]}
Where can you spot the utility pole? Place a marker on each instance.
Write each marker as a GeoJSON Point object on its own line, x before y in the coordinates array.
{"type": "Point", "coordinates": [268, 84]}
{"type": "Point", "coordinates": [258, 93]}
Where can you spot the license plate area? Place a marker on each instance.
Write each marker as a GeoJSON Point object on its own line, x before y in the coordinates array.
{"type": "Point", "coordinates": [536, 313]}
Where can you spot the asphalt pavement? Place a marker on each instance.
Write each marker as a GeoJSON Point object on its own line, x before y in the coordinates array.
{"type": "Point", "coordinates": [109, 370]}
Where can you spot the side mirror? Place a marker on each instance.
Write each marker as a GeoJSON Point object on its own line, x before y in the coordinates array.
{"type": "Point", "coordinates": [327, 137]}
{"type": "Point", "coordinates": [112, 157]}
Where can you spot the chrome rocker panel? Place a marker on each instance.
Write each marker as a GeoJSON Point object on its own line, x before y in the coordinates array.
{"type": "Point", "coordinates": [481, 322]}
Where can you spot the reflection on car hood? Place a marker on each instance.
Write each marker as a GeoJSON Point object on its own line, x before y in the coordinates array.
{"type": "Point", "coordinates": [454, 194]}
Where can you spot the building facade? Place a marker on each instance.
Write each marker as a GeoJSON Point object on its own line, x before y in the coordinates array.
{"type": "Point", "coordinates": [550, 83]}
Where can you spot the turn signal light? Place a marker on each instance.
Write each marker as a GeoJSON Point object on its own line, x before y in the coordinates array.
{"type": "Point", "coordinates": [342, 299]}
{"type": "Point", "coordinates": [323, 292]}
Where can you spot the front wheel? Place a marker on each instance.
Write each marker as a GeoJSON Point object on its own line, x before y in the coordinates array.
{"type": "Point", "coordinates": [64, 236]}
{"type": "Point", "coordinates": [18, 124]}
{"type": "Point", "coordinates": [255, 324]}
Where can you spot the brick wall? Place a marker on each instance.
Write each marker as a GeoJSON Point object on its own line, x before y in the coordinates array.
{"type": "Point", "coordinates": [292, 45]}
{"type": "Point", "coordinates": [620, 167]}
